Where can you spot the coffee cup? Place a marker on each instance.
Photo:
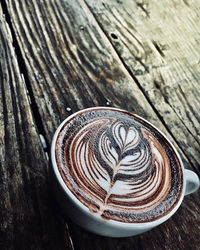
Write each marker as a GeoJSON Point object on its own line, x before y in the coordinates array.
{"type": "Point", "coordinates": [115, 174]}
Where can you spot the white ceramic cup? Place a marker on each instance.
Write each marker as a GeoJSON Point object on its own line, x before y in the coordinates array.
{"type": "Point", "coordinates": [81, 215]}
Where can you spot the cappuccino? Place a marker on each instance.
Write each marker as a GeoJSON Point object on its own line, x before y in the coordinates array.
{"type": "Point", "coordinates": [118, 165]}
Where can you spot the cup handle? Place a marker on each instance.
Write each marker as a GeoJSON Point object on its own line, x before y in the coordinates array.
{"type": "Point", "coordinates": [192, 181]}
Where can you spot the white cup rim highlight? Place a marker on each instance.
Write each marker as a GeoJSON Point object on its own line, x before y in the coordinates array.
{"type": "Point", "coordinates": [75, 200]}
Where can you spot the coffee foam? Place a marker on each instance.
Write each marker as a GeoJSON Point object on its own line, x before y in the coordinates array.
{"type": "Point", "coordinates": [118, 166]}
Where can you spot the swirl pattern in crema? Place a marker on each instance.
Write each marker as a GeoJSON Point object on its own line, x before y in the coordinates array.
{"type": "Point", "coordinates": [118, 165]}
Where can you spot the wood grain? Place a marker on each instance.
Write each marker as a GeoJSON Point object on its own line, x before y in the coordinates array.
{"type": "Point", "coordinates": [71, 63]}
{"type": "Point", "coordinates": [27, 217]}
{"type": "Point", "coordinates": [158, 42]}
{"type": "Point", "coordinates": [75, 58]}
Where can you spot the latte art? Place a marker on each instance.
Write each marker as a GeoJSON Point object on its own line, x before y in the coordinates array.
{"type": "Point", "coordinates": [118, 166]}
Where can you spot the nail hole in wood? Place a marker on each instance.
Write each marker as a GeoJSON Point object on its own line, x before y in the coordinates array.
{"type": "Point", "coordinates": [114, 36]}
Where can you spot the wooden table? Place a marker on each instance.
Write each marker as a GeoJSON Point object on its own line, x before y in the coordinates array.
{"type": "Point", "coordinates": [59, 56]}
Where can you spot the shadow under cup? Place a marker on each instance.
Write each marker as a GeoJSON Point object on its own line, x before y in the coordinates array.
{"type": "Point", "coordinates": [114, 173]}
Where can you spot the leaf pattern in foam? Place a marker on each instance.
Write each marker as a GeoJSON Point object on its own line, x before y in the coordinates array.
{"type": "Point", "coordinates": [123, 161]}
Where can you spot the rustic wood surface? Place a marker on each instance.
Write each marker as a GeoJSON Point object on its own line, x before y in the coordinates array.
{"type": "Point", "coordinates": [159, 45]}
{"type": "Point", "coordinates": [27, 216]}
{"type": "Point", "coordinates": [143, 56]}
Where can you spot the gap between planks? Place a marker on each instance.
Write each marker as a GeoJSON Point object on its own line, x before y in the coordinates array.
{"type": "Point", "coordinates": [26, 81]}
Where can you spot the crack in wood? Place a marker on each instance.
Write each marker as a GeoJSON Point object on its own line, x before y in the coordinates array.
{"type": "Point", "coordinates": [143, 7]}
{"type": "Point", "coordinates": [158, 48]}
{"type": "Point", "coordinates": [186, 2]}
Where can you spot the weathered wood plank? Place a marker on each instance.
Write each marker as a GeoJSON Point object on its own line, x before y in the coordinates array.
{"type": "Point", "coordinates": [72, 64]}
{"type": "Point", "coordinates": [158, 41]}
{"type": "Point", "coordinates": [27, 218]}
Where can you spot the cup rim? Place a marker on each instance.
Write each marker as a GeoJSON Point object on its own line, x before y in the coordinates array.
{"type": "Point", "coordinates": [84, 208]}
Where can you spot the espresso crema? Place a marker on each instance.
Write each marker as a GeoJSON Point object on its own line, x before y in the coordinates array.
{"type": "Point", "coordinates": [119, 166]}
